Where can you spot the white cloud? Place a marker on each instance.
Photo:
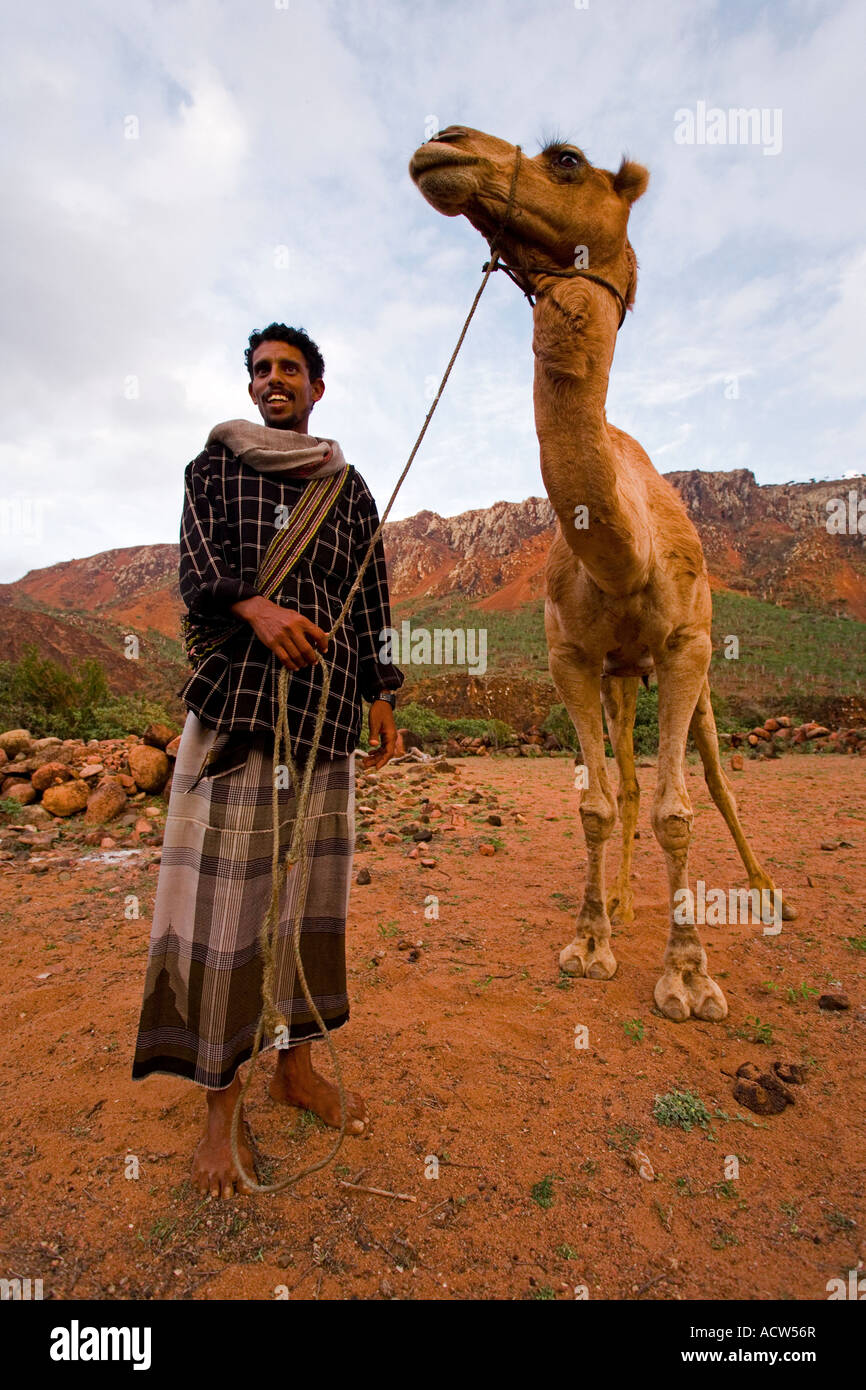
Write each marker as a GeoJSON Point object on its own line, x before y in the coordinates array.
{"type": "Point", "coordinates": [154, 258]}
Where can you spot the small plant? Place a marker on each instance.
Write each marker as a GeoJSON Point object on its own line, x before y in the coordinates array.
{"type": "Point", "coordinates": [542, 1192]}
{"type": "Point", "coordinates": [839, 1221]}
{"type": "Point", "coordinates": [754, 1031]}
{"type": "Point", "coordinates": [800, 992]}
{"type": "Point", "coordinates": [634, 1029]}
{"type": "Point", "coordinates": [725, 1189]}
{"type": "Point", "coordinates": [681, 1110]}
{"type": "Point", "coordinates": [723, 1239]}
{"type": "Point", "coordinates": [589, 1166]}
{"type": "Point", "coordinates": [624, 1138]}
{"type": "Point", "coordinates": [792, 1211]}
{"type": "Point", "coordinates": [565, 1252]}
{"type": "Point", "coordinates": [544, 1292]}
{"type": "Point", "coordinates": [857, 943]}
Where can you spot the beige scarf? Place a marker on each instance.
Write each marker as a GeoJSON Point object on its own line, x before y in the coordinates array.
{"type": "Point", "coordinates": [279, 451]}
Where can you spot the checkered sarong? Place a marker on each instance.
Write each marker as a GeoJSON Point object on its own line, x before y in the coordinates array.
{"type": "Point", "coordinates": [202, 994]}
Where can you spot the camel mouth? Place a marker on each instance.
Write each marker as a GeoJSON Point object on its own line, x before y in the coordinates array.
{"type": "Point", "coordinates": [425, 160]}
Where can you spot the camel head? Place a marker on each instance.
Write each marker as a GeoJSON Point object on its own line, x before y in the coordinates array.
{"type": "Point", "coordinates": [561, 201]}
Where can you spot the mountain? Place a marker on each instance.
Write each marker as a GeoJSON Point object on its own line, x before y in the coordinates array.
{"type": "Point", "coordinates": [770, 542]}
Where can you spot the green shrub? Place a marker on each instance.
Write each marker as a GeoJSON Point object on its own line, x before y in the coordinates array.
{"type": "Point", "coordinates": [558, 723]}
{"type": "Point", "coordinates": [425, 722]}
{"type": "Point", "coordinates": [38, 694]}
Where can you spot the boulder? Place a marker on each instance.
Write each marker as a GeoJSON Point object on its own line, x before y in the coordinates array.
{"type": "Point", "coordinates": [67, 799]}
{"type": "Point", "coordinates": [4, 757]}
{"type": "Point", "coordinates": [172, 748]}
{"type": "Point", "coordinates": [159, 735]}
{"type": "Point", "coordinates": [9, 782]}
{"type": "Point", "coordinates": [22, 792]}
{"type": "Point", "coordinates": [149, 766]}
{"type": "Point", "coordinates": [50, 775]}
{"type": "Point", "coordinates": [16, 741]}
{"type": "Point", "coordinates": [106, 802]}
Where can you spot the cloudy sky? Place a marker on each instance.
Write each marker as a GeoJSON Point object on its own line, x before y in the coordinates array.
{"type": "Point", "coordinates": [268, 180]}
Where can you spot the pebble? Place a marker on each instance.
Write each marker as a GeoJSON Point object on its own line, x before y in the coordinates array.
{"type": "Point", "coordinates": [362, 876]}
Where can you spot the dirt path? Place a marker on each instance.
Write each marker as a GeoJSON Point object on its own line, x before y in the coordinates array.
{"type": "Point", "coordinates": [465, 1048]}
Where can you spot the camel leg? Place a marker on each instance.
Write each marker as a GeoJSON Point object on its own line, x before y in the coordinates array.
{"type": "Point", "coordinates": [589, 953]}
{"type": "Point", "coordinates": [703, 731]}
{"type": "Point", "coordinates": [685, 988]}
{"type": "Point", "coordinates": [619, 696]}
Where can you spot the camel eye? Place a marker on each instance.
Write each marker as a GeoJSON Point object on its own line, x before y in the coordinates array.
{"type": "Point", "coordinates": [567, 159]}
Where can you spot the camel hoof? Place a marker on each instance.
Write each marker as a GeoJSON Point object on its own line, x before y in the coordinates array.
{"type": "Point", "coordinates": [586, 957]}
{"type": "Point", "coordinates": [699, 998]}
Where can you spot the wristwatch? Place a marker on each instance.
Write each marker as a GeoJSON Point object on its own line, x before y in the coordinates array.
{"type": "Point", "coordinates": [389, 696]}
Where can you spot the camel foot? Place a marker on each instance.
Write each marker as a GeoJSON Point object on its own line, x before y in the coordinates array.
{"type": "Point", "coordinates": [789, 912]}
{"type": "Point", "coordinates": [620, 910]}
{"type": "Point", "coordinates": [589, 957]}
{"type": "Point", "coordinates": [681, 994]}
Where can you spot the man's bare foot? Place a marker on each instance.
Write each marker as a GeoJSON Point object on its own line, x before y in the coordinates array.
{"type": "Point", "coordinates": [213, 1168]}
{"type": "Point", "coordinates": [296, 1083]}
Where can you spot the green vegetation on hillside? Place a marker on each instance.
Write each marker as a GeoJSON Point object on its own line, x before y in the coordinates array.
{"type": "Point", "coordinates": [787, 658]}
{"type": "Point", "coordinates": [36, 693]}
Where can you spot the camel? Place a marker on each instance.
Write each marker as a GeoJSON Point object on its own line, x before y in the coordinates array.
{"type": "Point", "coordinates": [627, 590]}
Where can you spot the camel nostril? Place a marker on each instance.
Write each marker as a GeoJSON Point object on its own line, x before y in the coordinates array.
{"type": "Point", "coordinates": [451, 132]}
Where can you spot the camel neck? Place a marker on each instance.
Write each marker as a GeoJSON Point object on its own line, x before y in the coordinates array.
{"type": "Point", "coordinates": [597, 499]}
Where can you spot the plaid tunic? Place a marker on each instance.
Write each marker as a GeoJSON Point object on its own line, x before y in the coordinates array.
{"type": "Point", "coordinates": [230, 511]}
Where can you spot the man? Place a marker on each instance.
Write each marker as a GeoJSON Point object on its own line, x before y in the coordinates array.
{"type": "Point", "coordinates": [203, 987]}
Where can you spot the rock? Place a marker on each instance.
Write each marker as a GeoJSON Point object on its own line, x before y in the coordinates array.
{"type": "Point", "coordinates": [389, 838]}
{"type": "Point", "coordinates": [67, 799]}
{"type": "Point", "coordinates": [16, 741]}
{"type": "Point", "coordinates": [771, 725]}
{"type": "Point", "coordinates": [362, 876]}
{"type": "Point", "coordinates": [91, 770]}
{"type": "Point", "coordinates": [9, 782]}
{"type": "Point", "coordinates": [171, 749]}
{"type": "Point", "coordinates": [3, 758]}
{"type": "Point", "coordinates": [443, 766]}
{"type": "Point", "coordinates": [107, 842]}
{"type": "Point", "coordinates": [152, 811]}
{"type": "Point", "coordinates": [50, 774]}
{"type": "Point", "coordinates": [158, 735]}
{"type": "Point", "coordinates": [22, 792]}
{"type": "Point", "coordinates": [149, 766]}
{"type": "Point", "coordinates": [106, 802]}
{"type": "Point", "coordinates": [127, 782]}
{"type": "Point", "coordinates": [409, 740]}
{"type": "Point", "coordinates": [494, 820]}
{"type": "Point", "coordinates": [737, 762]}
{"type": "Point", "coordinates": [420, 836]}
{"type": "Point", "coordinates": [834, 1001]}
{"type": "Point", "coordinates": [486, 849]}
{"type": "Point", "coordinates": [428, 863]}
{"type": "Point", "coordinates": [829, 845]}
{"type": "Point", "coordinates": [143, 827]}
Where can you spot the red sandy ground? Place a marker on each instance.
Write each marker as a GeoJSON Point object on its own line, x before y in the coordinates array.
{"type": "Point", "coordinates": [466, 1052]}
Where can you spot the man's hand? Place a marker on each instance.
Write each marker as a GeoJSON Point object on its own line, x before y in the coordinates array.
{"type": "Point", "coordinates": [289, 635]}
{"type": "Point", "coordinates": [383, 731]}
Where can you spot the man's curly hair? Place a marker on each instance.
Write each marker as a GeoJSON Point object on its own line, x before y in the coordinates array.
{"type": "Point", "coordinates": [295, 337]}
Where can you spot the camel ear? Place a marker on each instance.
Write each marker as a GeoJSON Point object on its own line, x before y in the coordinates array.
{"type": "Point", "coordinates": [630, 181]}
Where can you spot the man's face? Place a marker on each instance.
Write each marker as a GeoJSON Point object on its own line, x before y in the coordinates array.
{"type": "Point", "coordinates": [281, 386]}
